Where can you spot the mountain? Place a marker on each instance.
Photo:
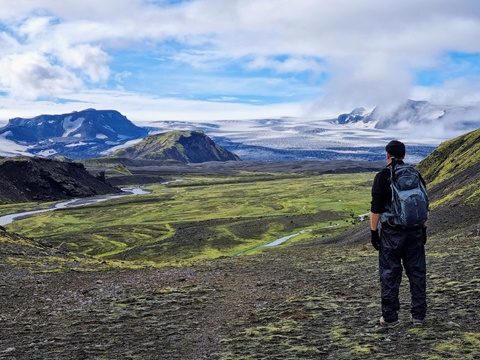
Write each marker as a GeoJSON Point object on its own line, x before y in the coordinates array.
{"type": "Point", "coordinates": [411, 112]}
{"type": "Point", "coordinates": [183, 146]}
{"type": "Point", "coordinates": [299, 139]}
{"type": "Point", "coordinates": [77, 135]}
{"type": "Point", "coordinates": [356, 115]}
{"type": "Point", "coordinates": [452, 172]}
{"type": "Point", "coordinates": [414, 114]}
{"type": "Point", "coordinates": [360, 135]}
{"type": "Point", "coordinates": [24, 179]}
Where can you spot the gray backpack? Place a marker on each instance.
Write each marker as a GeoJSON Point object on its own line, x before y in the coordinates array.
{"type": "Point", "coordinates": [409, 207]}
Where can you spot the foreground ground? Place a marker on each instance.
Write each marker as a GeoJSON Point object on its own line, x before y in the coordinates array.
{"type": "Point", "coordinates": [314, 302]}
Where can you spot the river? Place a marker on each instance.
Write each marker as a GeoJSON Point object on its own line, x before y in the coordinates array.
{"type": "Point", "coordinates": [7, 219]}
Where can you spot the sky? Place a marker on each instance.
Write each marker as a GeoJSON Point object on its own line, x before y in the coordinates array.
{"type": "Point", "coordinates": [236, 59]}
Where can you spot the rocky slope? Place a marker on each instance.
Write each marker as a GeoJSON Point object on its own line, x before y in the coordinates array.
{"type": "Point", "coordinates": [183, 146]}
{"type": "Point", "coordinates": [25, 179]}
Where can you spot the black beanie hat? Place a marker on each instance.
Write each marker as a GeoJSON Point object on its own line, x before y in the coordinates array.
{"type": "Point", "coordinates": [396, 149]}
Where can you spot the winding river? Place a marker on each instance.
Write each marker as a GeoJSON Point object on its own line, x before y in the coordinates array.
{"type": "Point", "coordinates": [7, 219]}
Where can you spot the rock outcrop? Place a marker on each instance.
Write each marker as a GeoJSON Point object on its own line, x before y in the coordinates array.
{"type": "Point", "coordinates": [37, 179]}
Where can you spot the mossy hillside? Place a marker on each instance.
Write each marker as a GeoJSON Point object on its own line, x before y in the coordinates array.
{"type": "Point", "coordinates": [452, 173]}
{"type": "Point", "coordinates": [183, 146]}
{"type": "Point", "coordinates": [451, 157]}
{"type": "Point", "coordinates": [31, 255]}
{"type": "Point", "coordinates": [188, 221]}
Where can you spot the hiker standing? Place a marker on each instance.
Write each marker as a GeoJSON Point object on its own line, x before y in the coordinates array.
{"type": "Point", "coordinates": [400, 240]}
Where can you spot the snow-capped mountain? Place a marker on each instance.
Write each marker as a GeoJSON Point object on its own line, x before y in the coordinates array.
{"type": "Point", "coordinates": [76, 135]}
{"type": "Point", "coordinates": [358, 114]}
{"type": "Point", "coordinates": [358, 135]}
{"type": "Point", "coordinates": [291, 139]}
{"type": "Point", "coordinates": [417, 115]}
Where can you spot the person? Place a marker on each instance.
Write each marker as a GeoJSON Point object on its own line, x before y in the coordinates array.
{"type": "Point", "coordinates": [397, 245]}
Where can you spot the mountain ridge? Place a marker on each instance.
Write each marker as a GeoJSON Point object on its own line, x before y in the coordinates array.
{"type": "Point", "coordinates": [416, 113]}
{"type": "Point", "coordinates": [85, 133]}
{"type": "Point", "coordinates": [357, 135]}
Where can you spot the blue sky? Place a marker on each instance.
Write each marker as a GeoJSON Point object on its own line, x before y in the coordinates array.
{"type": "Point", "coordinates": [236, 59]}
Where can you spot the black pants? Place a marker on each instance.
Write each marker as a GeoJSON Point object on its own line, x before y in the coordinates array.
{"type": "Point", "coordinates": [402, 246]}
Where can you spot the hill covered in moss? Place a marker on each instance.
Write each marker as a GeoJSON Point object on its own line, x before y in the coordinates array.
{"type": "Point", "coordinates": [452, 173]}
{"type": "Point", "coordinates": [183, 146]}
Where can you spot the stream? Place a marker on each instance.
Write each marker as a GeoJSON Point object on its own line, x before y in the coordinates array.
{"type": "Point", "coordinates": [283, 239]}
{"type": "Point", "coordinates": [7, 219]}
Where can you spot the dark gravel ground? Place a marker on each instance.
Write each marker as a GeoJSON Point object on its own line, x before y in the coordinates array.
{"type": "Point", "coordinates": [316, 302]}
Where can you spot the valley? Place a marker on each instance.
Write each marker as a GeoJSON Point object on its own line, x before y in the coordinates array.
{"type": "Point", "coordinates": [205, 216]}
{"type": "Point", "coordinates": [182, 272]}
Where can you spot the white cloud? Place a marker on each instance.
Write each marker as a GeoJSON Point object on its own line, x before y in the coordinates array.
{"type": "Point", "coordinates": [370, 49]}
{"type": "Point", "coordinates": [463, 91]}
{"type": "Point", "coordinates": [91, 60]}
{"type": "Point", "coordinates": [33, 27]}
{"type": "Point", "coordinates": [289, 65]}
{"type": "Point", "coordinates": [31, 75]}
{"type": "Point", "coordinates": [141, 108]}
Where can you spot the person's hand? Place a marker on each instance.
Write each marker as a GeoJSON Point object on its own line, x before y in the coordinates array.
{"type": "Point", "coordinates": [424, 233]}
{"type": "Point", "coordinates": [375, 239]}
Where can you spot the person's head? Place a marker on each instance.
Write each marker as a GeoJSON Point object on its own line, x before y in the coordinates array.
{"type": "Point", "coordinates": [395, 150]}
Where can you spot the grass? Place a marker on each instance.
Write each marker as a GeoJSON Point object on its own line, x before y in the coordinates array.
{"type": "Point", "coordinates": [207, 217]}
{"type": "Point", "coordinates": [6, 209]}
{"type": "Point", "coordinates": [451, 158]}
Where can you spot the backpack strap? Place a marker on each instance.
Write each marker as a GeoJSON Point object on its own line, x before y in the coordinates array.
{"type": "Point", "coordinates": [392, 183]}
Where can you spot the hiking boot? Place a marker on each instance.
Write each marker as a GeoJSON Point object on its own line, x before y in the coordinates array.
{"type": "Point", "coordinates": [391, 324]}
{"type": "Point", "coordinates": [416, 322]}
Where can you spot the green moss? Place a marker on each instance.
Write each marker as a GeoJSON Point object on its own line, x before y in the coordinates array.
{"type": "Point", "coordinates": [451, 157]}
{"type": "Point", "coordinates": [361, 350]}
{"type": "Point", "coordinates": [305, 350]}
{"type": "Point", "coordinates": [473, 339]}
{"type": "Point", "coordinates": [122, 169]}
{"type": "Point", "coordinates": [470, 189]}
{"type": "Point", "coordinates": [452, 283]}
